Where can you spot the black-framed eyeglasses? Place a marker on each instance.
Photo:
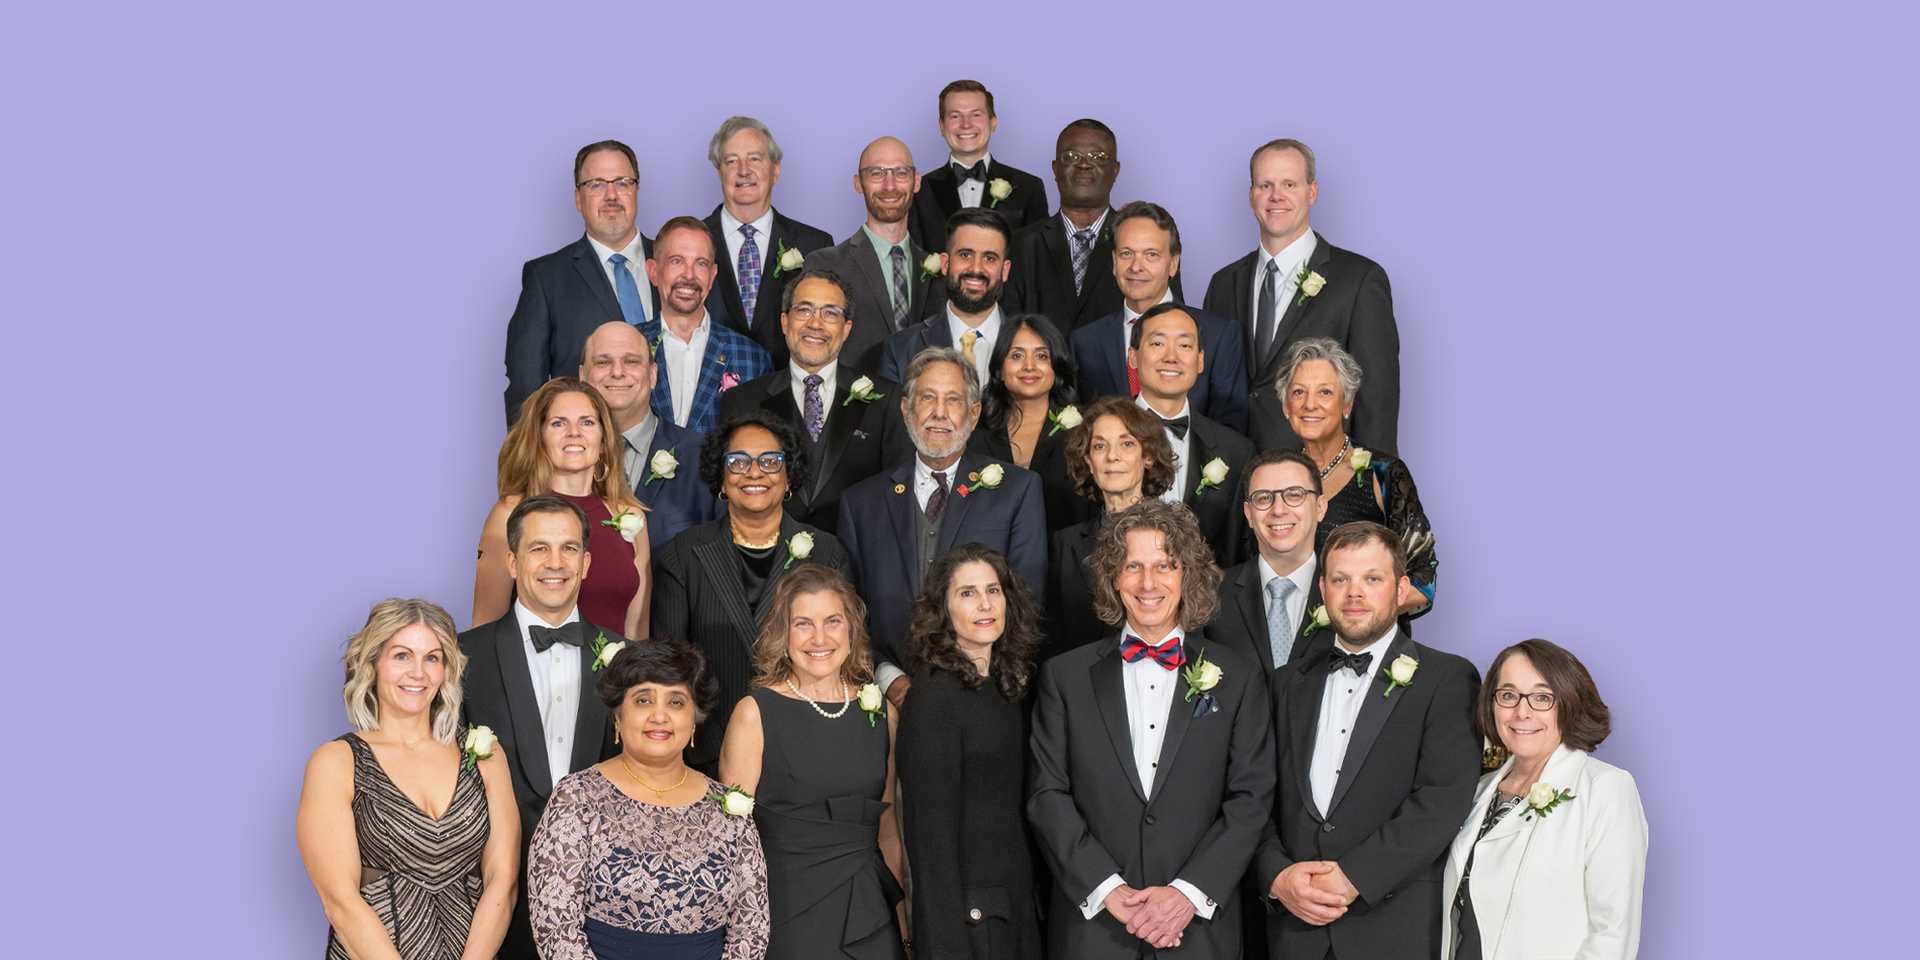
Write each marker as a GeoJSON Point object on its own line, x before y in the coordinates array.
{"type": "Point", "coordinates": [1510, 698]}
{"type": "Point", "coordinates": [807, 311]}
{"type": "Point", "coordinates": [739, 461]}
{"type": "Point", "coordinates": [1096, 158]}
{"type": "Point", "coordinates": [600, 184]}
{"type": "Point", "coordinates": [1291, 496]}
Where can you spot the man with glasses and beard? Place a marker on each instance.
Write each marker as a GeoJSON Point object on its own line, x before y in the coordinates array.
{"type": "Point", "coordinates": [894, 524]}
{"type": "Point", "coordinates": [885, 273]}
{"type": "Point", "coordinates": [974, 270]}
{"type": "Point", "coordinates": [568, 293]}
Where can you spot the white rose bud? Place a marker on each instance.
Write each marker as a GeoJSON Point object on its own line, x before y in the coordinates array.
{"type": "Point", "coordinates": [1068, 418]}
{"type": "Point", "coordinates": [1320, 615]}
{"type": "Point", "coordinates": [1210, 674]}
{"type": "Point", "coordinates": [992, 475]}
{"type": "Point", "coordinates": [862, 385]}
{"type": "Point", "coordinates": [607, 653]}
{"type": "Point", "coordinates": [999, 188]}
{"type": "Point", "coordinates": [480, 740]}
{"type": "Point", "coordinates": [1312, 284]}
{"type": "Point", "coordinates": [790, 260]}
{"type": "Point", "coordinates": [664, 463]}
{"type": "Point", "coordinates": [1362, 458]}
{"type": "Point", "coordinates": [870, 697]}
{"type": "Point", "coordinates": [800, 546]}
{"type": "Point", "coordinates": [631, 523]}
{"type": "Point", "coordinates": [1215, 472]}
{"type": "Point", "coordinates": [1541, 794]}
{"type": "Point", "coordinates": [737, 803]}
{"type": "Point", "coordinates": [931, 264]}
{"type": "Point", "coordinates": [1402, 668]}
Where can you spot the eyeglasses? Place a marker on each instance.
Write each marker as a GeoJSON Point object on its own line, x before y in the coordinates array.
{"type": "Point", "coordinates": [1510, 698]}
{"type": "Point", "coordinates": [1074, 158]}
{"type": "Point", "coordinates": [740, 461]}
{"type": "Point", "coordinates": [807, 311]}
{"type": "Point", "coordinates": [1291, 496]}
{"type": "Point", "coordinates": [883, 174]}
{"type": "Point", "coordinates": [600, 184]}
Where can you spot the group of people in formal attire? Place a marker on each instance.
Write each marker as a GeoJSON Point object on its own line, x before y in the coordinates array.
{"type": "Point", "coordinates": [957, 590]}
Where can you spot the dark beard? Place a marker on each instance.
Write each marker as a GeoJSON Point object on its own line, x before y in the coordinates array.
{"type": "Point", "coordinates": [1366, 637]}
{"type": "Point", "coordinates": [966, 304]}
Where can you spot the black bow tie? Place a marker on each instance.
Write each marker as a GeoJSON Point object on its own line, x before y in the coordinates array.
{"type": "Point", "coordinates": [976, 172]}
{"type": "Point", "coordinates": [1358, 661]}
{"type": "Point", "coordinates": [1177, 424]}
{"type": "Point", "coordinates": [544, 637]}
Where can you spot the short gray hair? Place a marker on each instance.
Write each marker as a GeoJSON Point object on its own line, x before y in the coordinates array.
{"type": "Point", "coordinates": [932, 355]}
{"type": "Point", "coordinates": [1320, 348]}
{"type": "Point", "coordinates": [734, 125]}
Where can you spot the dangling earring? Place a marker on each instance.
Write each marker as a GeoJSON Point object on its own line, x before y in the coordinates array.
{"type": "Point", "coordinates": [616, 736]}
{"type": "Point", "coordinates": [600, 471]}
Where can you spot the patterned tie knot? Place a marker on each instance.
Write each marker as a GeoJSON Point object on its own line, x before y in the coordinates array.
{"type": "Point", "coordinates": [1083, 236]}
{"type": "Point", "coordinates": [813, 380]}
{"type": "Point", "coordinates": [1168, 654]}
{"type": "Point", "coordinates": [746, 230]}
{"type": "Point", "coordinates": [1280, 588]}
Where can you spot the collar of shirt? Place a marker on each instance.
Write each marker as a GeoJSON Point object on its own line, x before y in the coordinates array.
{"type": "Point", "coordinates": [828, 375]}
{"type": "Point", "coordinates": [1288, 259]}
{"type": "Point", "coordinates": [699, 333]}
{"type": "Point", "coordinates": [1097, 224]}
{"type": "Point", "coordinates": [527, 618]}
{"type": "Point", "coordinates": [1302, 576]}
{"type": "Point", "coordinates": [989, 329]}
{"type": "Point", "coordinates": [636, 261]}
{"type": "Point", "coordinates": [986, 158]}
{"type": "Point", "coordinates": [762, 227]}
{"type": "Point", "coordinates": [1131, 314]}
{"type": "Point", "coordinates": [923, 485]}
{"type": "Point", "coordinates": [883, 246]}
{"type": "Point", "coordinates": [639, 437]}
{"type": "Point", "coordinates": [1186, 410]}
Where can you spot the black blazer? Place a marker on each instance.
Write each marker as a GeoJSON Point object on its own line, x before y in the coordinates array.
{"type": "Point", "coordinates": [1198, 821]}
{"type": "Point", "coordinates": [698, 597]}
{"type": "Point", "coordinates": [497, 692]}
{"type": "Point", "coordinates": [1099, 353]}
{"type": "Point", "coordinates": [1041, 280]}
{"type": "Point", "coordinates": [1355, 309]}
{"type": "Point", "coordinates": [939, 197]}
{"type": "Point", "coordinates": [856, 440]}
{"type": "Point", "coordinates": [1217, 507]}
{"type": "Point", "coordinates": [1241, 620]}
{"type": "Point", "coordinates": [1070, 618]}
{"type": "Point", "coordinates": [869, 298]}
{"type": "Point", "coordinates": [723, 301]}
{"type": "Point", "coordinates": [1405, 787]}
{"type": "Point", "coordinates": [563, 296]}
{"type": "Point", "coordinates": [877, 526]}
{"type": "Point", "coordinates": [901, 346]}
{"type": "Point", "coordinates": [1064, 507]}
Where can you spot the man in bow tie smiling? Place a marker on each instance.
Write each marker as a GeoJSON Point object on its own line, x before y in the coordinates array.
{"type": "Point", "coordinates": [972, 177]}
{"type": "Point", "coordinates": [1152, 773]}
{"type": "Point", "coordinates": [1168, 350]}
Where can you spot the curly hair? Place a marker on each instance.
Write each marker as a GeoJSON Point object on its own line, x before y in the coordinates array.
{"type": "Point", "coordinates": [1585, 720]}
{"type": "Point", "coordinates": [771, 665]}
{"type": "Point", "coordinates": [523, 469]}
{"type": "Point", "coordinates": [930, 639]}
{"type": "Point", "coordinates": [663, 661]}
{"type": "Point", "coordinates": [1156, 452]}
{"type": "Point", "coordinates": [997, 402]}
{"type": "Point", "coordinates": [388, 618]}
{"type": "Point", "coordinates": [713, 451]}
{"type": "Point", "coordinates": [1186, 546]}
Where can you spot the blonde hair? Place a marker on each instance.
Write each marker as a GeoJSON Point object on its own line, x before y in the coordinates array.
{"type": "Point", "coordinates": [772, 665]}
{"type": "Point", "coordinates": [523, 467]}
{"type": "Point", "coordinates": [389, 617]}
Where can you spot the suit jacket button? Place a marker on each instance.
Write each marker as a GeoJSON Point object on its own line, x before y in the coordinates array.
{"type": "Point", "coordinates": [1150, 820]}
{"type": "Point", "coordinates": [1326, 828]}
{"type": "Point", "coordinates": [974, 914]}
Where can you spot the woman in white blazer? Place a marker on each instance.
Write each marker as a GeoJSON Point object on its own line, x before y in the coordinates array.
{"type": "Point", "coordinates": [1555, 850]}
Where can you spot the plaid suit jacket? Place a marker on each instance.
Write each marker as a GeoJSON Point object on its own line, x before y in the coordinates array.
{"type": "Point", "coordinates": [732, 358]}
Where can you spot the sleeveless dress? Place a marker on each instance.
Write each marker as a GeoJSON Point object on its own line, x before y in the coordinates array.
{"type": "Point", "coordinates": [818, 808]}
{"type": "Point", "coordinates": [421, 875]}
{"type": "Point", "coordinates": [611, 581]}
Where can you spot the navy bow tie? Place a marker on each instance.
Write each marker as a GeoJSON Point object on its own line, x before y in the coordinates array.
{"type": "Point", "coordinates": [545, 637]}
{"type": "Point", "coordinates": [976, 172]}
{"type": "Point", "coordinates": [1359, 662]}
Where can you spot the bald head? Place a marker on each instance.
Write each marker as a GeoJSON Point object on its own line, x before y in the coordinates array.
{"type": "Point", "coordinates": [887, 181]}
{"type": "Point", "coordinates": [618, 362]}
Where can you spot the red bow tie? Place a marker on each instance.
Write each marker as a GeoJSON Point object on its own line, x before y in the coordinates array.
{"type": "Point", "coordinates": [1167, 654]}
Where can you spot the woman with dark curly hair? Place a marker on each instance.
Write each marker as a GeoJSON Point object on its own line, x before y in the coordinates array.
{"type": "Point", "coordinates": [1027, 408]}
{"type": "Point", "coordinates": [962, 754]}
{"type": "Point", "coordinates": [640, 856]}
{"type": "Point", "coordinates": [713, 580]}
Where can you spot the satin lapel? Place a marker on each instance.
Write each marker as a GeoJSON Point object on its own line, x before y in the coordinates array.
{"type": "Point", "coordinates": [1198, 453]}
{"type": "Point", "coordinates": [1374, 711]}
{"type": "Point", "coordinates": [1110, 694]}
{"type": "Point", "coordinates": [1317, 263]}
{"type": "Point", "coordinates": [867, 261]}
{"type": "Point", "coordinates": [1179, 716]}
{"type": "Point", "coordinates": [958, 506]}
{"type": "Point", "coordinates": [1303, 701]}
{"type": "Point", "coordinates": [596, 279]}
{"type": "Point", "coordinates": [516, 681]}
{"type": "Point", "coordinates": [946, 191]}
{"type": "Point", "coordinates": [590, 719]}
{"type": "Point", "coordinates": [1253, 607]}
{"type": "Point", "coordinates": [900, 511]}
{"type": "Point", "coordinates": [721, 565]}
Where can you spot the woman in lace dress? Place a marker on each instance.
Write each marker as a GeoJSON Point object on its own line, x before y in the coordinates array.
{"type": "Point", "coordinates": [639, 856]}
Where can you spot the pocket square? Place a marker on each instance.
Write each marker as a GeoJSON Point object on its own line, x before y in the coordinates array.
{"type": "Point", "coordinates": [859, 434]}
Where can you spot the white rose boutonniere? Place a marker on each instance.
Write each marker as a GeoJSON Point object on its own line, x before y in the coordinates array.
{"type": "Point", "coordinates": [998, 189]}
{"type": "Point", "coordinates": [1316, 620]}
{"type": "Point", "coordinates": [628, 522]}
{"type": "Point", "coordinates": [1542, 798]}
{"type": "Point", "coordinates": [930, 267]}
{"type": "Point", "coordinates": [799, 547]}
{"type": "Point", "coordinates": [662, 466]}
{"type": "Point", "coordinates": [1361, 458]}
{"type": "Point", "coordinates": [605, 648]}
{"type": "Point", "coordinates": [1310, 284]}
{"type": "Point", "coordinates": [987, 479]}
{"type": "Point", "coordinates": [861, 390]}
{"type": "Point", "coordinates": [478, 746]}
{"type": "Point", "coordinates": [733, 801]}
{"type": "Point", "coordinates": [1400, 673]}
{"type": "Point", "coordinates": [1211, 475]}
{"type": "Point", "coordinates": [787, 259]}
{"type": "Point", "coordinates": [872, 703]}
{"type": "Point", "coordinates": [1202, 675]}
{"type": "Point", "coordinates": [1066, 419]}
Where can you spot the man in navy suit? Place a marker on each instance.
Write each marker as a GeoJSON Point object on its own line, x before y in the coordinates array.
{"type": "Point", "coordinates": [759, 248]}
{"type": "Point", "coordinates": [894, 524]}
{"type": "Point", "coordinates": [972, 176]}
{"type": "Point", "coordinates": [974, 272]}
{"type": "Point", "coordinates": [1146, 260]}
{"type": "Point", "coordinates": [599, 277]}
{"type": "Point", "coordinates": [661, 461]}
{"type": "Point", "coordinates": [698, 359]}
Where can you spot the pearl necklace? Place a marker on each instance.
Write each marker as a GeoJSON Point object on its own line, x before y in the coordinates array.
{"type": "Point", "coordinates": [845, 701]}
{"type": "Point", "coordinates": [741, 539]}
{"type": "Point", "coordinates": [1342, 455]}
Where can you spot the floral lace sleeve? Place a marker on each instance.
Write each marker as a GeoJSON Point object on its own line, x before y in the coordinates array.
{"type": "Point", "coordinates": [557, 864]}
{"type": "Point", "coordinates": [749, 923]}
{"type": "Point", "coordinates": [1408, 519]}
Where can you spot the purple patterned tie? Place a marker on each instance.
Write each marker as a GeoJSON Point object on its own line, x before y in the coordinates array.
{"type": "Point", "coordinates": [937, 500]}
{"type": "Point", "coordinates": [749, 270]}
{"type": "Point", "coordinates": [1082, 252]}
{"type": "Point", "coordinates": [815, 412]}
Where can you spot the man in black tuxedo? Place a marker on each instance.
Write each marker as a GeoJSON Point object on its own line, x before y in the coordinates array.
{"type": "Point", "coordinates": [1377, 768]}
{"type": "Point", "coordinates": [1210, 459]}
{"type": "Point", "coordinates": [1267, 603]}
{"type": "Point", "coordinates": [1147, 804]}
{"type": "Point", "coordinates": [760, 248]}
{"type": "Point", "coordinates": [1295, 285]}
{"type": "Point", "coordinates": [618, 363]}
{"type": "Point", "coordinates": [849, 421]}
{"type": "Point", "coordinates": [974, 273]}
{"type": "Point", "coordinates": [884, 271]}
{"type": "Point", "coordinates": [530, 674]}
{"type": "Point", "coordinates": [971, 177]}
{"type": "Point", "coordinates": [599, 277]}
{"type": "Point", "coordinates": [895, 523]}
{"type": "Point", "coordinates": [1146, 261]}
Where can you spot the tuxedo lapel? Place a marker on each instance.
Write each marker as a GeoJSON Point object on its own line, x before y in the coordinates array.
{"type": "Point", "coordinates": [516, 681]}
{"type": "Point", "coordinates": [1375, 708]}
{"type": "Point", "coordinates": [1179, 717]}
{"type": "Point", "coordinates": [946, 191]}
{"type": "Point", "coordinates": [1110, 695]}
{"type": "Point", "coordinates": [717, 558]}
{"type": "Point", "coordinates": [585, 261]}
{"type": "Point", "coordinates": [1303, 703]}
{"type": "Point", "coordinates": [590, 717]}
{"type": "Point", "coordinates": [1198, 453]}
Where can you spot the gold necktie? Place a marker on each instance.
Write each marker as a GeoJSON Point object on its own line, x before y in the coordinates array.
{"type": "Point", "coordinates": [966, 345]}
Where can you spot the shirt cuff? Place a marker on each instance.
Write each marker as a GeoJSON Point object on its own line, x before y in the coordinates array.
{"type": "Point", "coordinates": [1202, 905]}
{"type": "Point", "coordinates": [1097, 900]}
{"type": "Point", "coordinates": [885, 674]}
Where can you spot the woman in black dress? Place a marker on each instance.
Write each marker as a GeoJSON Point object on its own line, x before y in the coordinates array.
{"type": "Point", "coordinates": [1022, 407]}
{"type": "Point", "coordinates": [714, 580]}
{"type": "Point", "coordinates": [1318, 383]}
{"type": "Point", "coordinates": [1117, 456]}
{"type": "Point", "coordinates": [963, 747]}
{"type": "Point", "coordinates": [814, 741]}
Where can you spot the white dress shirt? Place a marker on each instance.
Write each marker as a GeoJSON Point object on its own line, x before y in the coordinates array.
{"type": "Point", "coordinates": [1286, 282]}
{"type": "Point", "coordinates": [1302, 578]}
{"type": "Point", "coordinates": [556, 688]}
{"type": "Point", "coordinates": [1150, 690]}
{"type": "Point", "coordinates": [636, 264]}
{"type": "Point", "coordinates": [683, 360]}
{"type": "Point", "coordinates": [924, 484]}
{"type": "Point", "coordinates": [762, 238]}
{"type": "Point", "coordinates": [829, 374]}
{"type": "Point", "coordinates": [1176, 493]}
{"type": "Point", "coordinates": [1130, 315]}
{"type": "Point", "coordinates": [972, 192]}
{"type": "Point", "coordinates": [989, 331]}
{"type": "Point", "coordinates": [1340, 699]}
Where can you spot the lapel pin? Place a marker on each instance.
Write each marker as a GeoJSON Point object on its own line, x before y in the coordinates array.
{"type": "Point", "coordinates": [899, 488]}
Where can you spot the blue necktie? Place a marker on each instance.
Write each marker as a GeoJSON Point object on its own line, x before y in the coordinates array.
{"type": "Point", "coordinates": [1279, 625]}
{"type": "Point", "coordinates": [627, 292]}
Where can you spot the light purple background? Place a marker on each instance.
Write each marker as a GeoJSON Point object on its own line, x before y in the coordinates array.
{"type": "Point", "coordinates": [1635, 252]}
